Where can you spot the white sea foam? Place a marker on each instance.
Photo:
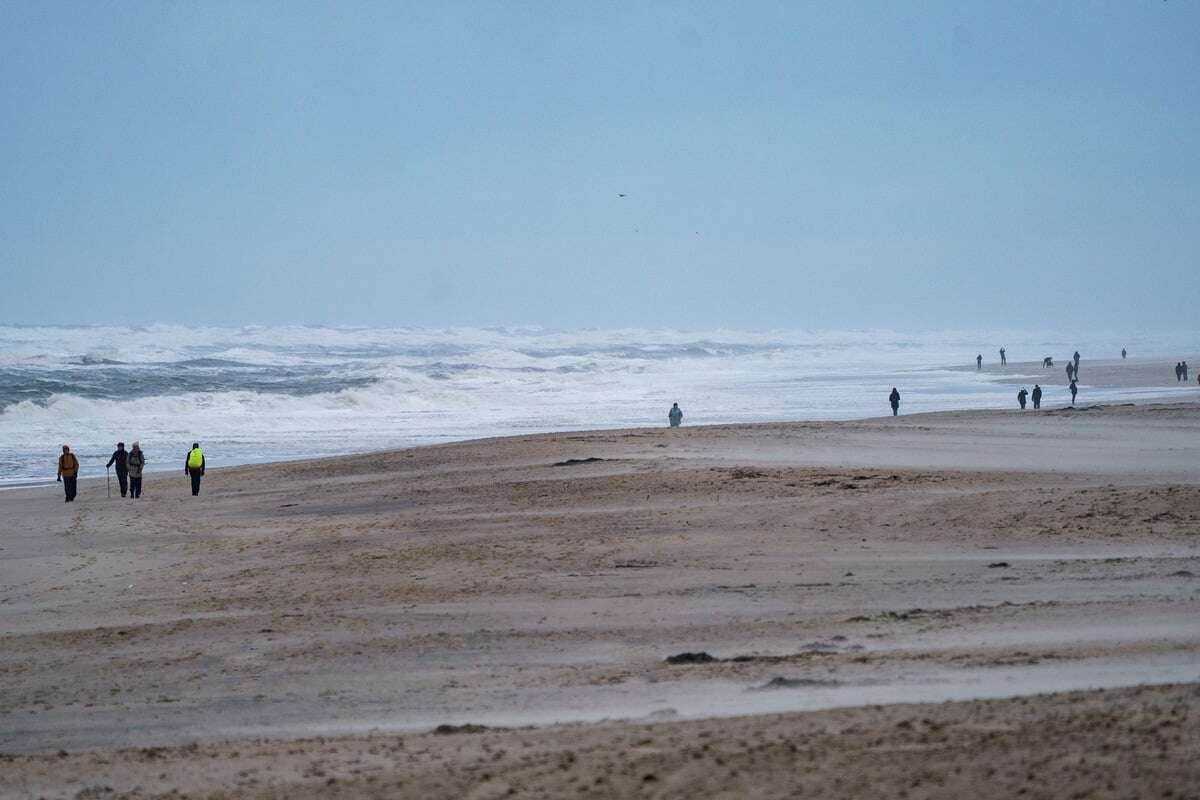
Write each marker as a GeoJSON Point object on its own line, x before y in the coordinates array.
{"type": "Point", "coordinates": [261, 393]}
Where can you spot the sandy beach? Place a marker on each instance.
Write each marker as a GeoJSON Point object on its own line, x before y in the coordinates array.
{"type": "Point", "coordinates": [984, 603]}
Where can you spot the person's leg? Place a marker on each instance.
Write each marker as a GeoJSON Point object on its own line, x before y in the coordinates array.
{"type": "Point", "coordinates": [69, 485]}
{"type": "Point", "coordinates": [195, 483]}
{"type": "Point", "coordinates": [66, 490]}
{"type": "Point", "coordinates": [123, 482]}
{"type": "Point", "coordinates": [135, 487]}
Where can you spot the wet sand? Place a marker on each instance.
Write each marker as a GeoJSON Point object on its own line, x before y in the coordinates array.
{"type": "Point", "coordinates": [546, 579]}
{"type": "Point", "coordinates": [1134, 374]}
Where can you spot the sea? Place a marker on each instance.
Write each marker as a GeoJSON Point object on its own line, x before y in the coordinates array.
{"type": "Point", "coordinates": [258, 393]}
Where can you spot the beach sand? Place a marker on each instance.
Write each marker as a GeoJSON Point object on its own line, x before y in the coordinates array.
{"type": "Point", "coordinates": [855, 588]}
{"type": "Point", "coordinates": [1140, 375]}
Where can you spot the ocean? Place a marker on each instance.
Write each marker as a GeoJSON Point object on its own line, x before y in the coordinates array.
{"type": "Point", "coordinates": [256, 394]}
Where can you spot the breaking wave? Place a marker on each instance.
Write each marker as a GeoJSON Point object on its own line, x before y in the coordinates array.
{"type": "Point", "coordinates": [265, 393]}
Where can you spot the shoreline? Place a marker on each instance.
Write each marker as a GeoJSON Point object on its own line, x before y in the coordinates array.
{"type": "Point", "coordinates": [1132, 400]}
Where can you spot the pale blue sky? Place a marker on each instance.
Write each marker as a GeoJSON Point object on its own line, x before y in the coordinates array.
{"type": "Point", "coordinates": [785, 164]}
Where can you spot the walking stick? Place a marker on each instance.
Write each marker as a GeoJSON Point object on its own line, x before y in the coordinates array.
{"type": "Point", "coordinates": [108, 481]}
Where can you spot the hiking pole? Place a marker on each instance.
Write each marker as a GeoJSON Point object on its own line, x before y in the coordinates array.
{"type": "Point", "coordinates": [108, 481]}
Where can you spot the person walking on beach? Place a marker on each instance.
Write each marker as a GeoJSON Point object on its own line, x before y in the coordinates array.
{"type": "Point", "coordinates": [1123, 353]}
{"type": "Point", "coordinates": [894, 399]}
{"type": "Point", "coordinates": [1076, 363]}
{"type": "Point", "coordinates": [136, 462]}
{"type": "Point", "coordinates": [68, 472]}
{"type": "Point", "coordinates": [1070, 371]}
{"type": "Point", "coordinates": [1074, 391]}
{"type": "Point", "coordinates": [1003, 357]}
{"type": "Point", "coordinates": [194, 466]}
{"type": "Point", "coordinates": [120, 459]}
{"type": "Point", "coordinates": [979, 361]}
{"type": "Point", "coordinates": [1021, 397]}
{"type": "Point", "coordinates": [675, 415]}
{"type": "Point", "coordinates": [1178, 370]}
{"type": "Point", "coordinates": [1184, 365]}
{"type": "Point", "coordinates": [1037, 396]}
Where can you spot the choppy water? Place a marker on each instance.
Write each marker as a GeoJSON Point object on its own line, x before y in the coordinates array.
{"type": "Point", "coordinates": [266, 393]}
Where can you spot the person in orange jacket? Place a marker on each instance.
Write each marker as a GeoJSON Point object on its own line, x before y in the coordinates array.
{"type": "Point", "coordinates": [68, 472]}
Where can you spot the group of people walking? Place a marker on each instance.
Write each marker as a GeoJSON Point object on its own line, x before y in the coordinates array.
{"type": "Point", "coordinates": [1024, 396]}
{"type": "Point", "coordinates": [128, 464]}
{"type": "Point", "coordinates": [1181, 372]}
{"type": "Point", "coordinates": [1036, 395]}
{"type": "Point", "coordinates": [1072, 377]}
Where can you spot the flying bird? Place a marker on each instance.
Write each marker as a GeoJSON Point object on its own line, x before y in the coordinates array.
{"type": "Point", "coordinates": [620, 195]}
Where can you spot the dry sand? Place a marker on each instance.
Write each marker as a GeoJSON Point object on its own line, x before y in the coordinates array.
{"type": "Point", "coordinates": [299, 628]}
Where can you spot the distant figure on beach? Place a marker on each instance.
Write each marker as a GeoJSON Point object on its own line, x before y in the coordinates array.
{"type": "Point", "coordinates": [194, 466]}
{"type": "Point", "coordinates": [979, 361]}
{"type": "Point", "coordinates": [1077, 363]}
{"type": "Point", "coordinates": [1003, 357]}
{"type": "Point", "coordinates": [1184, 365]}
{"type": "Point", "coordinates": [1074, 391]}
{"type": "Point", "coordinates": [1047, 362]}
{"type": "Point", "coordinates": [1037, 396]}
{"type": "Point", "coordinates": [68, 472]}
{"type": "Point", "coordinates": [1123, 354]}
{"type": "Point", "coordinates": [675, 415]}
{"type": "Point", "coordinates": [1178, 370]}
{"type": "Point", "coordinates": [894, 399]}
{"type": "Point", "coordinates": [120, 459]}
{"type": "Point", "coordinates": [1070, 371]}
{"type": "Point", "coordinates": [136, 462]}
{"type": "Point", "coordinates": [1021, 395]}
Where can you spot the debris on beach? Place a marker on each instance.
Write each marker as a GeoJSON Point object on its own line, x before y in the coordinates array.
{"type": "Point", "coordinates": [447, 730]}
{"type": "Point", "coordinates": [793, 683]}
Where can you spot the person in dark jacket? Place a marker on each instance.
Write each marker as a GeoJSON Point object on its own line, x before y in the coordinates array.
{"type": "Point", "coordinates": [120, 459]}
{"type": "Point", "coordinates": [1037, 396]}
{"type": "Point", "coordinates": [1003, 357]}
{"type": "Point", "coordinates": [894, 399]}
{"type": "Point", "coordinates": [1021, 395]}
{"type": "Point", "coordinates": [136, 462]}
{"type": "Point", "coordinates": [675, 415]}
{"type": "Point", "coordinates": [1178, 370]}
{"type": "Point", "coordinates": [193, 466]}
{"type": "Point", "coordinates": [1184, 365]}
{"type": "Point", "coordinates": [68, 472]}
{"type": "Point", "coordinates": [979, 361]}
{"type": "Point", "coordinates": [1074, 391]}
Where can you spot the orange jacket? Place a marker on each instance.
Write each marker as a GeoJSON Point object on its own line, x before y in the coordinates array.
{"type": "Point", "coordinates": [68, 465]}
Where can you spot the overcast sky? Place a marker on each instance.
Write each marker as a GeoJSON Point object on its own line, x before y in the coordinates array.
{"type": "Point", "coordinates": [913, 165]}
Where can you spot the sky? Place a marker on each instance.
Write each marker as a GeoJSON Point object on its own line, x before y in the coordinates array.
{"type": "Point", "coordinates": [575, 164]}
